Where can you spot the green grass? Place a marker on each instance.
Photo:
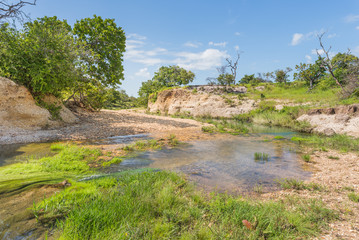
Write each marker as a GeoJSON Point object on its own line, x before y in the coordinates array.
{"type": "Point", "coordinates": [353, 197]}
{"type": "Point", "coordinates": [339, 142]}
{"type": "Point", "coordinates": [299, 185]}
{"type": "Point", "coordinates": [144, 145]}
{"type": "Point", "coordinates": [69, 162]}
{"type": "Point", "coordinates": [264, 157]}
{"type": "Point", "coordinates": [163, 205]}
{"type": "Point", "coordinates": [224, 126]}
{"type": "Point", "coordinates": [306, 157]}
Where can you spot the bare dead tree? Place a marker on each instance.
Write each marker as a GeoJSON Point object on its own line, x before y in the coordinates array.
{"type": "Point", "coordinates": [326, 61]}
{"type": "Point", "coordinates": [13, 9]}
{"type": "Point", "coordinates": [233, 65]}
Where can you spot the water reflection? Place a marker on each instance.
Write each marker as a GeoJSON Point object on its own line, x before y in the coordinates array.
{"type": "Point", "coordinates": [228, 165]}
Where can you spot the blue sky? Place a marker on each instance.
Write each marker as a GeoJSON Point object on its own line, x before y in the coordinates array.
{"type": "Point", "coordinates": [199, 35]}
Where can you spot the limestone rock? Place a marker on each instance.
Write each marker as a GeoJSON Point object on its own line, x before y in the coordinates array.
{"type": "Point", "coordinates": [185, 101]}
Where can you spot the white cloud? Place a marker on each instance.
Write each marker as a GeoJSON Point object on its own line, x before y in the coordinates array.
{"type": "Point", "coordinates": [297, 38]}
{"type": "Point", "coordinates": [352, 18]}
{"type": "Point", "coordinates": [237, 33]}
{"type": "Point", "coordinates": [357, 28]}
{"type": "Point", "coordinates": [309, 58]}
{"type": "Point", "coordinates": [192, 44]}
{"type": "Point", "coordinates": [136, 36]}
{"type": "Point", "coordinates": [220, 44]}
{"type": "Point", "coordinates": [135, 52]}
{"type": "Point", "coordinates": [332, 35]}
{"type": "Point", "coordinates": [236, 47]}
{"type": "Point", "coordinates": [208, 59]}
{"type": "Point", "coordinates": [143, 72]}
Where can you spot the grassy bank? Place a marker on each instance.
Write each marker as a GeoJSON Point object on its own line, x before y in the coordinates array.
{"type": "Point", "coordinates": [158, 205]}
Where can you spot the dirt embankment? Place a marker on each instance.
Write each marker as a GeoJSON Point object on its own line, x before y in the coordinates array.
{"type": "Point", "coordinates": [200, 103]}
{"type": "Point", "coordinates": [18, 109]}
{"type": "Point", "coordinates": [339, 120]}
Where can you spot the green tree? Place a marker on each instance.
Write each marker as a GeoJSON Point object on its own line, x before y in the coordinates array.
{"type": "Point", "coordinates": [248, 79]}
{"type": "Point", "coordinates": [225, 79]}
{"type": "Point", "coordinates": [173, 76]}
{"type": "Point", "coordinates": [170, 76]}
{"type": "Point", "coordinates": [42, 56]}
{"type": "Point", "coordinates": [281, 76]}
{"type": "Point", "coordinates": [105, 44]}
{"type": "Point", "coordinates": [310, 73]}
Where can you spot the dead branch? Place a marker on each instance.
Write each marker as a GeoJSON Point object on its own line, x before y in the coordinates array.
{"type": "Point", "coordinates": [13, 10]}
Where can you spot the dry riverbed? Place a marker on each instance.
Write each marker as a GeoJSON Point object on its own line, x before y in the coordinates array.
{"type": "Point", "coordinates": [338, 173]}
{"type": "Point", "coordinates": [109, 123]}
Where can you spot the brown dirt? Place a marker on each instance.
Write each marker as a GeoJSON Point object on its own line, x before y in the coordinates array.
{"type": "Point", "coordinates": [108, 123]}
{"type": "Point", "coordinates": [339, 177]}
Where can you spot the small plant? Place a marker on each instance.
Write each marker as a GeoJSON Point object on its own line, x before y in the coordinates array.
{"type": "Point", "coordinates": [115, 160]}
{"type": "Point", "coordinates": [349, 189]}
{"type": "Point", "coordinates": [306, 158]}
{"type": "Point", "coordinates": [299, 185]}
{"type": "Point", "coordinates": [333, 157]}
{"type": "Point", "coordinates": [353, 197]}
{"type": "Point", "coordinates": [208, 129]}
{"type": "Point", "coordinates": [258, 188]}
{"type": "Point", "coordinates": [278, 137]}
{"type": "Point", "coordinates": [263, 157]}
{"type": "Point", "coordinates": [173, 141]}
{"type": "Point", "coordinates": [57, 147]}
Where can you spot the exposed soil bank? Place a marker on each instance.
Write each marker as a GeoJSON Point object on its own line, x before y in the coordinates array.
{"type": "Point", "coordinates": [189, 102]}
{"type": "Point", "coordinates": [339, 120]}
{"type": "Point", "coordinates": [18, 109]}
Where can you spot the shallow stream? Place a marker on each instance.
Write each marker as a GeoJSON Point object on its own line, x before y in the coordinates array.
{"type": "Point", "coordinates": [226, 163]}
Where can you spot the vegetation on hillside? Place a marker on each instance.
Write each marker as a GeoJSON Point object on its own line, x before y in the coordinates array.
{"type": "Point", "coordinates": [48, 56]}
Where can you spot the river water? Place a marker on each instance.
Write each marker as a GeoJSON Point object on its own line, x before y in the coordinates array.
{"type": "Point", "coordinates": [224, 164]}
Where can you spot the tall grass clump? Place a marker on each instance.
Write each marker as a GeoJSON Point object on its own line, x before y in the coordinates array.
{"type": "Point", "coordinates": [263, 157]}
{"type": "Point", "coordinates": [158, 205]}
{"type": "Point", "coordinates": [340, 142]}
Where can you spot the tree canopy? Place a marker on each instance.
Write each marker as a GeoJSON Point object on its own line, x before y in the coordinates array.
{"type": "Point", "coordinates": [170, 76]}
{"type": "Point", "coordinates": [49, 57]}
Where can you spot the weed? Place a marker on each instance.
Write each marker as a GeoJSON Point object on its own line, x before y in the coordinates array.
{"type": "Point", "coordinates": [299, 185]}
{"type": "Point", "coordinates": [263, 157]}
{"type": "Point", "coordinates": [353, 197]}
{"type": "Point", "coordinates": [173, 141]}
{"type": "Point", "coordinates": [258, 189]}
{"type": "Point", "coordinates": [333, 157]}
{"type": "Point", "coordinates": [306, 157]}
{"type": "Point", "coordinates": [348, 188]}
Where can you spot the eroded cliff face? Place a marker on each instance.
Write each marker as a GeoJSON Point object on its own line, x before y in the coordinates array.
{"type": "Point", "coordinates": [19, 110]}
{"type": "Point", "coordinates": [339, 120]}
{"type": "Point", "coordinates": [199, 103]}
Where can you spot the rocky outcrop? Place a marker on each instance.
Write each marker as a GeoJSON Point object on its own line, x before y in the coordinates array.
{"type": "Point", "coordinates": [18, 109]}
{"type": "Point", "coordinates": [216, 89]}
{"type": "Point", "coordinates": [196, 103]}
{"type": "Point", "coordinates": [339, 120]}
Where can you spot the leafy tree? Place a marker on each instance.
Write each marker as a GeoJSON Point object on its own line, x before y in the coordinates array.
{"type": "Point", "coordinates": [170, 76]}
{"type": "Point", "coordinates": [281, 76]}
{"type": "Point", "coordinates": [42, 56]}
{"type": "Point", "coordinates": [248, 79]}
{"type": "Point", "coordinates": [310, 73]}
{"type": "Point", "coordinates": [226, 79]}
{"type": "Point", "coordinates": [105, 45]}
{"type": "Point", "coordinates": [49, 57]}
{"type": "Point", "coordinates": [173, 76]}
